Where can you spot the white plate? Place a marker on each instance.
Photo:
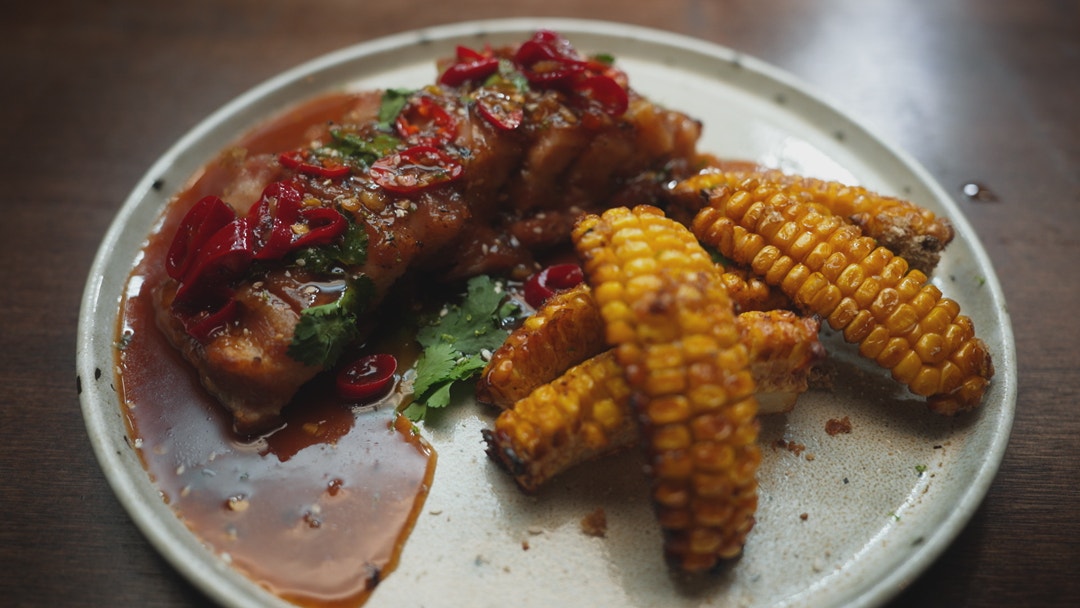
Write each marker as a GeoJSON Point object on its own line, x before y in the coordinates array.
{"type": "Point", "coordinates": [872, 522]}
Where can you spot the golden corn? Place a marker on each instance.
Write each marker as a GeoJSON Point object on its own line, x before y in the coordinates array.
{"type": "Point", "coordinates": [875, 299]}
{"type": "Point", "coordinates": [589, 400]}
{"type": "Point", "coordinates": [748, 292]}
{"type": "Point", "coordinates": [783, 349]}
{"type": "Point", "coordinates": [568, 329]}
{"type": "Point", "coordinates": [909, 231]}
{"type": "Point", "coordinates": [657, 287]}
{"type": "Point", "coordinates": [565, 331]}
{"type": "Point", "coordinates": [575, 418]}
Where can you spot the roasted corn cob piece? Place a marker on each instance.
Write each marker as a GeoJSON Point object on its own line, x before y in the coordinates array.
{"type": "Point", "coordinates": [748, 292]}
{"type": "Point", "coordinates": [672, 325]}
{"type": "Point", "coordinates": [565, 331]}
{"type": "Point", "coordinates": [585, 413]}
{"type": "Point", "coordinates": [910, 231]}
{"type": "Point", "coordinates": [829, 268]}
{"type": "Point", "coordinates": [580, 415]}
{"type": "Point", "coordinates": [783, 348]}
{"type": "Point", "coordinates": [568, 329]}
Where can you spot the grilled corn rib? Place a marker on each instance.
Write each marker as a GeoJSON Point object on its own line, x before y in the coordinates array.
{"type": "Point", "coordinates": [580, 415]}
{"type": "Point", "coordinates": [565, 331]}
{"type": "Point", "coordinates": [568, 329]}
{"type": "Point", "coordinates": [909, 231]}
{"type": "Point", "coordinates": [783, 348]}
{"type": "Point", "coordinates": [672, 326]}
{"type": "Point", "coordinates": [748, 292]}
{"type": "Point", "coordinates": [585, 412]}
{"type": "Point", "coordinates": [829, 268]}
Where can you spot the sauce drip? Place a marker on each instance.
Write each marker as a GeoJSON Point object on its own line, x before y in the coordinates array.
{"type": "Point", "coordinates": [317, 511]}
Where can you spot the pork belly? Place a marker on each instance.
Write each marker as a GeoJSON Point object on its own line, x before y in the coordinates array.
{"type": "Point", "coordinates": [441, 187]}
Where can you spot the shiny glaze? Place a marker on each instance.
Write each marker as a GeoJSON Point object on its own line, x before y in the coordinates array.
{"type": "Point", "coordinates": [316, 511]}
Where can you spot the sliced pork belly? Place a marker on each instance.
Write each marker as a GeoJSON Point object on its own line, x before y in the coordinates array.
{"type": "Point", "coordinates": [473, 175]}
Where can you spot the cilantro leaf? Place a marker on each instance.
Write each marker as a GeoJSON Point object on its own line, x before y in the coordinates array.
{"type": "Point", "coordinates": [364, 150]}
{"type": "Point", "coordinates": [352, 250]}
{"type": "Point", "coordinates": [393, 100]}
{"type": "Point", "coordinates": [508, 74]}
{"type": "Point", "coordinates": [323, 332]}
{"type": "Point", "coordinates": [453, 344]}
{"type": "Point", "coordinates": [473, 325]}
{"type": "Point", "coordinates": [433, 365]}
{"type": "Point", "coordinates": [349, 250]}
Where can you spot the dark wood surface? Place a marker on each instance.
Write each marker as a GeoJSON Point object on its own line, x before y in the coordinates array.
{"type": "Point", "coordinates": [93, 93]}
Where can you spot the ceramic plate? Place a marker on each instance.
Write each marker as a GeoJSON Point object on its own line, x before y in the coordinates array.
{"type": "Point", "coordinates": [845, 519]}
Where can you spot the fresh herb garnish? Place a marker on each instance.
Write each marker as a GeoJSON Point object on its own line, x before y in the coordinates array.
{"type": "Point", "coordinates": [360, 149]}
{"type": "Point", "coordinates": [324, 331]}
{"type": "Point", "coordinates": [393, 101]}
{"type": "Point", "coordinates": [509, 74]}
{"type": "Point", "coordinates": [349, 250]}
{"type": "Point", "coordinates": [372, 144]}
{"type": "Point", "coordinates": [456, 344]}
{"type": "Point", "coordinates": [605, 58]}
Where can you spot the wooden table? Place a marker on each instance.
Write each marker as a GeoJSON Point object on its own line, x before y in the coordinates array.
{"type": "Point", "coordinates": [979, 92]}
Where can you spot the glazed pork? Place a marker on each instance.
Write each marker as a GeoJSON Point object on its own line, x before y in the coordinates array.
{"type": "Point", "coordinates": [274, 277]}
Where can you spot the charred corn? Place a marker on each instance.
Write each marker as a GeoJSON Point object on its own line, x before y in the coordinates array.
{"type": "Point", "coordinates": [829, 268]}
{"type": "Point", "coordinates": [577, 417]}
{"type": "Point", "coordinates": [783, 348]}
{"type": "Point", "coordinates": [585, 413]}
{"type": "Point", "coordinates": [565, 331]}
{"type": "Point", "coordinates": [672, 326]}
{"type": "Point", "coordinates": [568, 329]}
{"type": "Point", "coordinates": [906, 229]}
{"type": "Point", "coordinates": [748, 292]}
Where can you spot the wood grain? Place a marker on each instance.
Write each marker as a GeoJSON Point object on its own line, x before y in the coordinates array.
{"type": "Point", "coordinates": [982, 92]}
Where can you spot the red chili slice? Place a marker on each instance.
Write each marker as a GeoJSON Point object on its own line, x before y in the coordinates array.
{"type": "Point", "coordinates": [423, 121]}
{"type": "Point", "coordinates": [324, 225]}
{"type": "Point", "coordinates": [542, 285]}
{"type": "Point", "coordinates": [546, 44]}
{"type": "Point", "coordinates": [500, 109]}
{"type": "Point", "coordinates": [204, 218]}
{"type": "Point", "coordinates": [467, 55]}
{"type": "Point", "coordinates": [367, 377]}
{"type": "Point", "coordinates": [471, 65]}
{"type": "Point", "coordinates": [272, 219]}
{"type": "Point", "coordinates": [205, 323]}
{"type": "Point", "coordinates": [415, 169]}
{"type": "Point", "coordinates": [605, 92]}
{"type": "Point", "coordinates": [224, 257]}
{"type": "Point", "coordinates": [549, 60]}
{"type": "Point", "coordinates": [306, 162]}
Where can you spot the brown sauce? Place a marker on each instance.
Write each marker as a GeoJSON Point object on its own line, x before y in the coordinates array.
{"type": "Point", "coordinates": [317, 511]}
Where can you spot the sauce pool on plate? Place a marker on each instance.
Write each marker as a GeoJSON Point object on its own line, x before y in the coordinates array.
{"type": "Point", "coordinates": [316, 511]}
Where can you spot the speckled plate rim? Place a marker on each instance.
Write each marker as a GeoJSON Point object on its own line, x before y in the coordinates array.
{"type": "Point", "coordinates": [98, 313]}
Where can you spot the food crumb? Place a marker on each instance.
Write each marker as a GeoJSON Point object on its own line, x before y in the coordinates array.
{"type": "Point", "coordinates": [794, 447]}
{"type": "Point", "coordinates": [238, 503]}
{"type": "Point", "coordinates": [595, 523]}
{"type": "Point", "coordinates": [834, 427]}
